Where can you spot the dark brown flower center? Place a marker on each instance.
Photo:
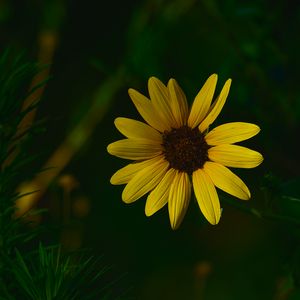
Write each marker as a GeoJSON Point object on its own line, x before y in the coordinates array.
{"type": "Point", "coordinates": [185, 149]}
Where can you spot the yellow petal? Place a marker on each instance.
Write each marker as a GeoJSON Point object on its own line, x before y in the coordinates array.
{"type": "Point", "coordinates": [202, 101]}
{"type": "Point", "coordinates": [125, 174]}
{"type": "Point", "coordinates": [179, 198]}
{"type": "Point", "coordinates": [146, 110]}
{"type": "Point", "coordinates": [160, 99]}
{"type": "Point", "coordinates": [235, 156]}
{"type": "Point", "coordinates": [227, 181]}
{"type": "Point", "coordinates": [159, 196]}
{"type": "Point", "coordinates": [216, 107]}
{"type": "Point", "coordinates": [136, 129]}
{"type": "Point", "coordinates": [178, 102]}
{"type": "Point", "coordinates": [207, 196]}
{"type": "Point", "coordinates": [231, 133]}
{"type": "Point", "coordinates": [144, 181]}
{"type": "Point", "coordinates": [135, 149]}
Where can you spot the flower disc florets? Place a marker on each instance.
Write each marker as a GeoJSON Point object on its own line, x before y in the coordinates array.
{"type": "Point", "coordinates": [185, 149]}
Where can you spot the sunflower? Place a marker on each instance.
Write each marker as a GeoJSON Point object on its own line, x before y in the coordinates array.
{"type": "Point", "coordinates": [175, 152]}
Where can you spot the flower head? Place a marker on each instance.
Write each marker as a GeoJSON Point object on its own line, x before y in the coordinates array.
{"type": "Point", "coordinates": [175, 152]}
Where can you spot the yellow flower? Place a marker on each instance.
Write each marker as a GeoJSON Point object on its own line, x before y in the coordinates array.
{"type": "Point", "coordinates": [175, 151]}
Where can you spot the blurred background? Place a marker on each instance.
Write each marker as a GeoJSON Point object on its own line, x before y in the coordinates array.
{"type": "Point", "coordinates": [93, 51]}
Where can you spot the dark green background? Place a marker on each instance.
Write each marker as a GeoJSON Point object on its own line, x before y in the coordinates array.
{"type": "Point", "coordinates": [256, 43]}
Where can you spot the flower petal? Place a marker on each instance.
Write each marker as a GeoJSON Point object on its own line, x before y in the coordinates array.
{"type": "Point", "coordinates": [160, 98]}
{"type": "Point", "coordinates": [235, 156]}
{"type": "Point", "coordinates": [202, 101]}
{"type": "Point", "coordinates": [216, 107]}
{"type": "Point", "coordinates": [146, 110]}
{"type": "Point", "coordinates": [159, 196]}
{"type": "Point", "coordinates": [227, 181]}
{"type": "Point", "coordinates": [144, 181]}
{"type": "Point", "coordinates": [125, 174]}
{"type": "Point", "coordinates": [135, 149]}
{"type": "Point", "coordinates": [136, 129]}
{"type": "Point", "coordinates": [231, 133]}
{"type": "Point", "coordinates": [179, 198]}
{"type": "Point", "coordinates": [178, 102]}
{"type": "Point", "coordinates": [207, 196]}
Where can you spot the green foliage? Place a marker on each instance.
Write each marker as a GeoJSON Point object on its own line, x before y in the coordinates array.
{"type": "Point", "coordinates": [15, 78]}
{"type": "Point", "coordinates": [50, 274]}
{"type": "Point", "coordinates": [26, 273]}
